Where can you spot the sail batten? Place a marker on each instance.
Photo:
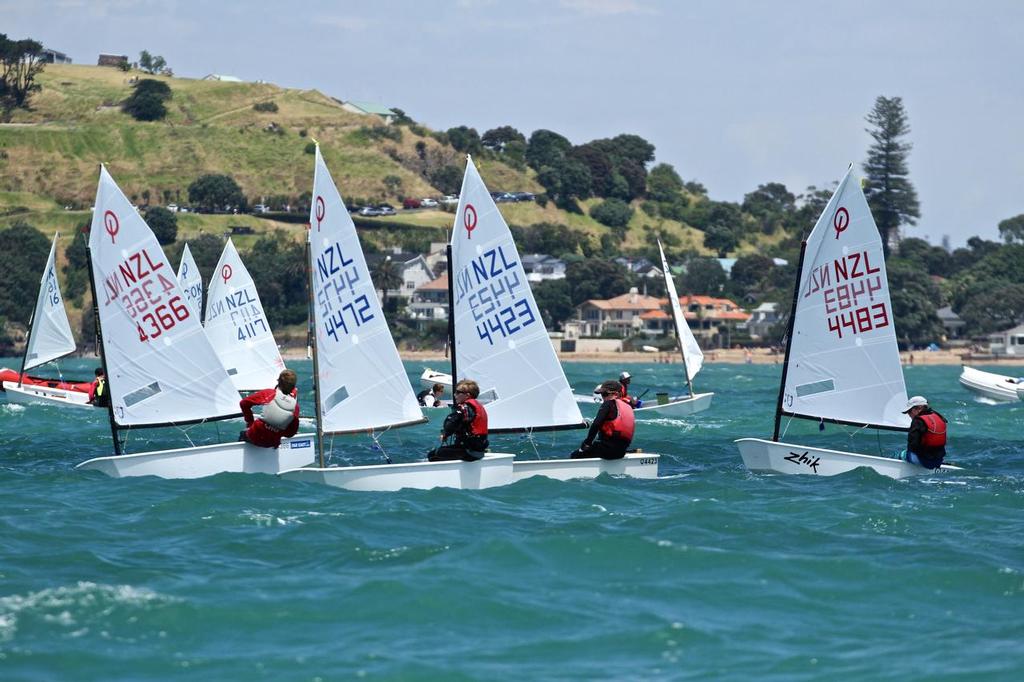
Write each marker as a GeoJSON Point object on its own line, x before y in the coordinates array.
{"type": "Point", "coordinates": [154, 347]}
{"type": "Point", "coordinates": [844, 363]}
{"type": "Point", "coordinates": [50, 337]}
{"type": "Point", "coordinates": [237, 325]}
{"type": "Point", "coordinates": [500, 339]}
{"type": "Point", "coordinates": [362, 385]}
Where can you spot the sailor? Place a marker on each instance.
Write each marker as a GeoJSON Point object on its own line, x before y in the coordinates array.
{"type": "Point", "coordinates": [613, 426]}
{"type": "Point", "coordinates": [464, 434]}
{"type": "Point", "coordinates": [280, 416]}
{"type": "Point", "coordinates": [624, 379]}
{"type": "Point", "coordinates": [99, 396]}
{"type": "Point", "coordinates": [926, 440]}
{"type": "Point", "coordinates": [431, 397]}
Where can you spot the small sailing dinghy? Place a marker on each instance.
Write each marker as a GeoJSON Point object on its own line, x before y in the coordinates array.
{"type": "Point", "coordinates": [49, 338]}
{"type": "Point", "coordinates": [693, 360]}
{"type": "Point", "coordinates": [842, 361]}
{"type": "Point", "coordinates": [993, 386]}
{"type": "Point", "coordinates": [191, 281]}
{"type": "Point", "coordinates": [361, 385]}
{"type": "Point", "coordinates": [501, 343]}
{"type": "Point", "coordinates": [237, 326]}
{"type": "Point", "coordinates": [429, 377]}
{"type": "Point", "coordinates": [161, 369]}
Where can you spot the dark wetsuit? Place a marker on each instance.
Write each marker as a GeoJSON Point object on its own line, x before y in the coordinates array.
{"type": "Point", "coordinates": [604, 447]}
{"type": "Point", "coordinates": [930, 457]}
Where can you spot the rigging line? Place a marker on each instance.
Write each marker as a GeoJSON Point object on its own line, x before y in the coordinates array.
{"type": "Point", "coordinates": [376, 443]}
{"type": "Point", "coordinates": [531, 439]}
{"type": "Point", "coordinates": [787, 427]}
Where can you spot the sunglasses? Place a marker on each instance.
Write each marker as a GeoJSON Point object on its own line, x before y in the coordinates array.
{"type": "Point", "coordinates": [462, 392]}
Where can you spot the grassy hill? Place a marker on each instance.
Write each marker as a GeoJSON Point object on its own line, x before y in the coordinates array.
{"type": "Point", "coordinates": [49, 155]}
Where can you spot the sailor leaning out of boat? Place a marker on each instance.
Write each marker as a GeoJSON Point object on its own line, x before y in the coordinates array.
{"type": "Point", "coordinates": [613, 426]}
{"type": "Point", "coordinates": [926, 440]}
{"type": "Point", "coordinates": [280, 416]}
{"type": "Point", "coordinates": [464, 434]}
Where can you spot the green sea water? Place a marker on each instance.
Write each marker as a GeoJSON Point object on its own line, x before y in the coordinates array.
{"type": "Point", "coordinates": [710, 572]}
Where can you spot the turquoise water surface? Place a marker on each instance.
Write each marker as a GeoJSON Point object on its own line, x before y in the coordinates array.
{"type": "Point", "coordinates": [710, 572]}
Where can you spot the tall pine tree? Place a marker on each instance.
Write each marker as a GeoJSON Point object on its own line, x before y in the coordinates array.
{"type": "Point", "coordinates": [892, 198]}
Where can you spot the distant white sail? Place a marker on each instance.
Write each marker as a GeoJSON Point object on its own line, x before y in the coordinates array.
{"type": "Point", "coordinates": [500, 339]}
{"type": "Point", "coordinates": [362, 382]}
{"type": "Point", "coordinates": [843, 358]}
{"type": "Point", "coordinates": [162, 367]}
{"type": "Point", "coordinates": [50, 337]}
{"type": "Point", "coordinates": [692, 354]}
{"type": "Point", "coordinates": [238, 327]}
{"type": "Point", "coordinates": [191, 281]}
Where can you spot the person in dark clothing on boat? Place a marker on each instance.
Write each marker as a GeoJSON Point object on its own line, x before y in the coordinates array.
{"type": "Point", "coordinates": [431, 397]}
{"type": "Point", "coordinates": [613, 426]}
{"type": "Point", "coordinates": [464, 434]}
{"type": "Point", "coordinates": [926, 440]}
{"type": "Point", "coordinates": [99, 396]}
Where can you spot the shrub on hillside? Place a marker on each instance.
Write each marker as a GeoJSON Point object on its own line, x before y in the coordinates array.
{"type": "Point", "coordinates": [164, 224]}
{"type": "Point", "coordinates": [266, 106]}
{"type": "Point", "coordinates": [215, 192]}
{"type": "Point", "coordinates": [146, 103]}
{"type": "Point", "coordinates": [612, 212]}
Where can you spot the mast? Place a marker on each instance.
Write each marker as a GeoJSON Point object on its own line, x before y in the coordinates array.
{"type": "Point", "coordinates": [789, 339]}
{"type": "Point", "coordinates": [316, 365]}
{"type": "Point", "coordinates": [451, 318]}
{"type": "Point", "coordinates": [103, 354]}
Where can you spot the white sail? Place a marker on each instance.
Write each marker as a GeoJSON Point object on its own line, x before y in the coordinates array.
{"type": "Point", "coordinates": [162, 367]}
{"type": "Point", "coordinates": [693, 356]}
{"type": "Point", "coordinates": [500, 339]}
{"type": "Point", "coordinates": [50, 337]}
{"type": "Point", "coordinates": [237, 326]}
{"type": "Point", "coordinates": [843, 359]}
{"type": "Point", "coordinates": [191, 281]}
{"type": "Point", "coordinates": [362, 384]}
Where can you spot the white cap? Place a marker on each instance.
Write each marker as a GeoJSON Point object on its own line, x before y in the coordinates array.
{"type": "Point", "coordinates": [624, 375]}
{"type": "Point", "coordinates": [916, 401]}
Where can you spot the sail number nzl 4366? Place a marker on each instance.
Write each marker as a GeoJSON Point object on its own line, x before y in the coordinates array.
{"type": "Point", "coordinates": [142, 290]}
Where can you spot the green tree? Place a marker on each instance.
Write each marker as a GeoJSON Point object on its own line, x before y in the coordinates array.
{"type": "Point", "coordinates": [546, 148]}
{"type": "Point", "coordinates": [497, 139]}
{"type": "Point", "coordinates": [553, 239]}
{"type": "Point", "coordinates": [213, 192]}
{"type": "Point", "coordinates": [891, 196]}
{"type": "Point", "coordinates": [772, 205]}
{"type": "Point", "coordinates": [448, 179]}
{"type": "Point", "coordinates": [596, 278]}
{"type": "Point", "coordinates": [913, 295]}
{"type": "Point", "coordinates": [164, 224]}
{"type": "Point", "coordinates": [151, 63]}
{"type": "Point", "coordinates": [147, 101]}
{"type": "Point", "coordinates": [386, 277]}
{"type": "Point", "coordinates": [278, 267]}
{"type": "Point", "coordinates": [721, 238]}
{"type": "Point", "coordinates": [19, 278]}
{"type": "Point", "coordinates": [464, 139]}
{"type": "Point", "coordinates": [1012, 229]}
{"type": "Point", "coordinates": [612, 212]}
{"type": "Point", "coordinates": [76, 269]}
{"type": "Point", "coordinates": [19, 65]}
{"type": "Point", "coordinates": [553, 301]}
{"type": "Point", "coordinates": [749, 272]}
{"type": "Point", "coordinates": [704, 276]}
{"type": "Point", "coordinates": [992, 305]}
{"type": "Point", "coordinates": [663, 183]}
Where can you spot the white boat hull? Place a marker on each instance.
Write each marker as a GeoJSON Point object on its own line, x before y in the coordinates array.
{"type": "Point", "coordinates": [677, 407]}
{"type": "Point", "coordinates": [431, 377]}
{"type": "Point", "coordinates": [31, 394]}
{"type": "Point", "coordinates": [491, 471]}
{"type": "Point", "coordinates": [787, 458]}
{"type": "Point", "coordinates": [209, 460]}
{"type": "Point", "coordinates": [990, 385]}
{"type": "Point", "coordinates": [635, 465]}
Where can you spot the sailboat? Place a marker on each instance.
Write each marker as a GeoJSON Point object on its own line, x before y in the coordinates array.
{"type": "Point", "coordinates": [161, 369]}
{"type": "Point", "coordinates": [842, 361]}
{"type": "Point", "coordinates": [49, 338]}
{"type": "Point", "coordinates": [693, 360]}
{"type": "Point", "coordinates": [237, 326]}
{"type": "Point", "coordinates": [499, 340]}
{"type": "Point", "coordinates": [998, 387]}
{"type": "Point", "coordinates": [361, 385]}
{"type": "Point", "coordinates": [191, 281]}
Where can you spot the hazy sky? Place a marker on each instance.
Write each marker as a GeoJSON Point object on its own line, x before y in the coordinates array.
{"type": "Point", "coordinates": [733, 94]}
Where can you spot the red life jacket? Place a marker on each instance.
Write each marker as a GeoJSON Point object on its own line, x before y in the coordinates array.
{"type": "Point", "coordinates": [623, 426]}
{"type": "Point", "coordinates": [935, 436]}
{"type": "Point", "coordinates": [624, 393]}
{"type": "Point", "coordinates": [478, 427]}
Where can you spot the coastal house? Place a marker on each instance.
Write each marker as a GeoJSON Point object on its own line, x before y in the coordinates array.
{"type": "Point", "coordinates": [1008, 342]}
{"type": "Point", "coordinates": [429, 302]}
{"type": "Point", "coordinates": [412, 269]}
{"type": "Point", "coordinates": [116, 60]}
{"type": "Point", "coordinates": [540, 266]}
{"type": "Point", "coordinates": [640, 266]}
{"type": "Point", "coordinates": [619, 315]}
{"type": "Point", "coordinates": [51, 56]}
{"type": "Point", "coordinates": [762, 319]}
{"type": "Point", "coordinates": [712, 320]}
{"type": "Point", "coordinates": [370, 109]}
{"type": "Point", "coordinates": [951, 322]}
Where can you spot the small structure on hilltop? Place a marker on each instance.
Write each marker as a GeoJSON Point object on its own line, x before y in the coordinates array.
{"type": "Point", "coordinates": [51, 56]}
{"type": "Point", "coordinates": [222, 78]}
{"type": "Point", "coordinates": [370, 109]}
{"type": "Point", "coordinates": [118, 61]}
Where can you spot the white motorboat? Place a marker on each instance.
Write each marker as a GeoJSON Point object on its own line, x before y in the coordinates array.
{"type": "Point", "coordinates": [993, 386]}
{"type": "Point", "coordinates": [842, 360]}
{"type": "Point", "coordinates": [161, 369]}
{"type": "Point", "coordinates": [429, 377]}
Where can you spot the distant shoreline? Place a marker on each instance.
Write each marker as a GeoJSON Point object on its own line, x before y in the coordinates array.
{"type": "Point", "coordinates": [758, 356]}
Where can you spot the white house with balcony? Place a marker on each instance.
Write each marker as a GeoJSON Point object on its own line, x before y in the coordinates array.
{"type": "Point", "coordinates": [1009, 342]}
{"type": "Point", "coordinates": [540, 266]}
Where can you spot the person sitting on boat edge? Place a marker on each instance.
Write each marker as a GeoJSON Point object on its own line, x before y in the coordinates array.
{"type": "Point", "coordinates": [431, 397]}
{"type": "Point", "coordinates": [280, 416]}
{"type": "Point", "coordinates": [99, 396]}
{"type": "Point", "coordinates": [926, 440]}
{"type": "Point", "coordinates": [466, 426]}
{"type": "Point", "coordinates": [624, 380]}
{"type": "Point", "coordinates": [613, 427]}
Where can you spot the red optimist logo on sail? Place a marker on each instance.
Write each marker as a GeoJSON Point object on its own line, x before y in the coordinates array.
{"type": "Point", "coordinates": [469, 220]}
